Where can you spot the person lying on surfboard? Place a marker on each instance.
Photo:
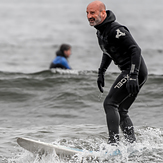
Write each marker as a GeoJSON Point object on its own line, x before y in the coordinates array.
{"type": "Point", "coordinates": [62, 55]}
{"type": "Point", "coordinates": [118, 45]}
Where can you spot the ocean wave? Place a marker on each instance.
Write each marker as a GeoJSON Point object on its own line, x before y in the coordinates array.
{"type": "Point", "coordinates": [149, 145]}
{"type": "Point", "coordinates": [53, 72]}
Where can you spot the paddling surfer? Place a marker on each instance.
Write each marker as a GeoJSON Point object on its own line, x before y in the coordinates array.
{"type": "Point", "coordinates": [62, 55]}
{"type": "Point", "coordinates": [118, 46]}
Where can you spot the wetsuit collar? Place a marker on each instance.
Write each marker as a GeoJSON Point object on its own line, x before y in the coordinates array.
{"type": "Point", "coordinates": [109, 19]}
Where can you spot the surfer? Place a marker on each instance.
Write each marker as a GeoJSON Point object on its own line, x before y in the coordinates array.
{"type": "Point", "coordinates": [62, 55]}
{"type": "Point", "coordinates": [118, 45]}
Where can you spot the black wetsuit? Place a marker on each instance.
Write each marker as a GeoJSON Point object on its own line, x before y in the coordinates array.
{"type": "Point", "coordinates": [118, 45]}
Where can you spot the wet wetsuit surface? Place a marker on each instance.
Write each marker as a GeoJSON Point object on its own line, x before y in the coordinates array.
{"type": "Point", "coordinates": [119, 46]}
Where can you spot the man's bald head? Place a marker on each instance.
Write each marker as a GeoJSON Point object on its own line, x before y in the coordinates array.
{"type": "Point", "coordinates": [97, 4]}
{"type": "Point", "coordinates": [96, 12]}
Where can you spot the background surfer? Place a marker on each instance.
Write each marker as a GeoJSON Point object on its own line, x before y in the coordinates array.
{"type": "Point", "coordinates": [62, 55]}
{"type": "Point", "coordinates": [118, 45]}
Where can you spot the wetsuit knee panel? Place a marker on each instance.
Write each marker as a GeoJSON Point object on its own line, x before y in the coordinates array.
{"type": "Point", "coordinates": [108, 104]}
{"type": "Point", "coordinates": [123, 115]}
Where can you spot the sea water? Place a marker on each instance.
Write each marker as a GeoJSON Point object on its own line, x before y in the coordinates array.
{"type": "Point", "coordinates": [66, 107]}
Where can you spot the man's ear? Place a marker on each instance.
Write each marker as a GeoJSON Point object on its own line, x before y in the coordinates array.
{"type": "Point", "coordinates": [104, 14]}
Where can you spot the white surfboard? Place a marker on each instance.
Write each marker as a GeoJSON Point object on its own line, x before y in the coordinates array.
{"type": "Point", "coordinates": [41, 148]}
{"type": "Point", "coordinates": [37, 147]}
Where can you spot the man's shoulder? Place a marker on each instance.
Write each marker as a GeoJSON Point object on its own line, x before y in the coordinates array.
{"type": "Point", "coordinates": [112, 32]}
{"type": "Point", "coordinates": [115, 30]}
{"type": "Point", "coordinates": [115, 25]}
{"type": "Point", "coordinates": [110, 27]}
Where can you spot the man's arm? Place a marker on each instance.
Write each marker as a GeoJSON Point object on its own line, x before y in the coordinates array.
{"type": "Point", "coordinates": [105, 62]}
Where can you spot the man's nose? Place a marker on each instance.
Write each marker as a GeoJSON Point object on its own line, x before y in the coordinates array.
{"type": "Point", "coordinates": [88, 15]}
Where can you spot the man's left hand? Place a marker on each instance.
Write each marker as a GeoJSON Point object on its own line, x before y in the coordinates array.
{"type": "Point", "coordinates": [132, 84]}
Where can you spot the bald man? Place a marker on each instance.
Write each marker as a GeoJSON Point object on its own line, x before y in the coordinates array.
{"type": "Point", "coordinates": [118, 45]}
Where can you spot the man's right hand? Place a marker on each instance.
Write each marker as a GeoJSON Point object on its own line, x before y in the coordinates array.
{"type": "Point", "coordinates": [100, 81]}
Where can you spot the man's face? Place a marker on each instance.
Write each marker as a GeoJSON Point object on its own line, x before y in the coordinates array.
{"type": "Point", "coordinates": [93, 15]}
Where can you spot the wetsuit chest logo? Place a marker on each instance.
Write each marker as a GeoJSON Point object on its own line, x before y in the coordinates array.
{"type": "Point", "coordinates": [119, 33]}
